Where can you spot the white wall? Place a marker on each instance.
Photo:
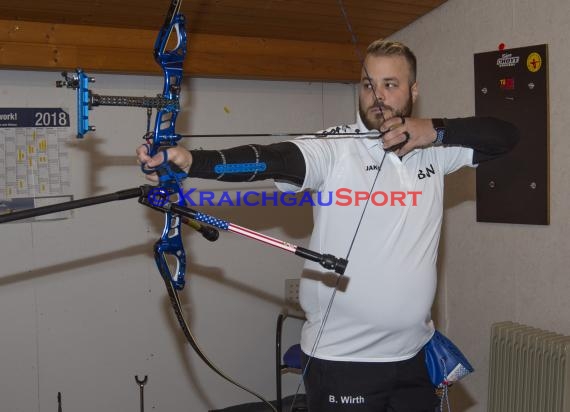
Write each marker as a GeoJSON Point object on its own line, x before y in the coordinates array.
{"type": "Point", "coordinates": [494, 272]}
{"type": "Point", "coordinates": [82, 307]}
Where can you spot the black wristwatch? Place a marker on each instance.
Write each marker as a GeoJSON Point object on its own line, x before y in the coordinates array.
{"type": "Point", "coordinates": [440, 130]}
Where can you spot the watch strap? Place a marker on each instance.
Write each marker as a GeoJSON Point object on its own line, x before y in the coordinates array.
{"type": "Point", "coordinates": [440, 131]}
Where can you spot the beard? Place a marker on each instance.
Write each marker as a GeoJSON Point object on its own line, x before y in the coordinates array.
{"type": "Point", "coordinates": [374, 120]}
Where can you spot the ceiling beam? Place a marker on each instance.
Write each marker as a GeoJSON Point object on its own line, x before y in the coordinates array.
{"type": "Point", "coordinates": [46, 46]}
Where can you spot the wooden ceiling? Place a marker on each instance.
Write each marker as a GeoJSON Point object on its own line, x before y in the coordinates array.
{"type": "Point", "coordinates": [276, 39]}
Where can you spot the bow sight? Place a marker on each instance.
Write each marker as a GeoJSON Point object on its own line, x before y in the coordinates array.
{"type": "Point", "coordinates": [86, 99]}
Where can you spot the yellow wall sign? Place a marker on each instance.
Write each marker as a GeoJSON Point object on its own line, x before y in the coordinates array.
{"type": "Point", "coordinates": [534, 62]}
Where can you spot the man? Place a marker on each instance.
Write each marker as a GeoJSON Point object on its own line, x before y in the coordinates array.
{"type": "Point", "coordinates": [365, 351]}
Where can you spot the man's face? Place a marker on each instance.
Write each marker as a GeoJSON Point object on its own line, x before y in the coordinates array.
{"type": "Point", "coordinates": [389, 78]}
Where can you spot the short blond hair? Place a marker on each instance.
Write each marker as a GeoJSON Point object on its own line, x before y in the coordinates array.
{"type": "Point", "coordinates": [394, 48]}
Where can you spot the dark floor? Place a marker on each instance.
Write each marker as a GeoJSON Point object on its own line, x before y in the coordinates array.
{"type": "Point", "coordinates": [261, 407]}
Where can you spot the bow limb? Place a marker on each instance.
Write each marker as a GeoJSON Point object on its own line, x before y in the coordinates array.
{"type": "Point", "coordinates": [175, 302]}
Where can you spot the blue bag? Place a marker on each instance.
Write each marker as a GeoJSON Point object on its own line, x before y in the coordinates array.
{"type": "Point", "coordinates": [445, 362]}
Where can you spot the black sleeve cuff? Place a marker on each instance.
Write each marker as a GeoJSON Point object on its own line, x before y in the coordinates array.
{"type": "Point", "coordinates": [489, 137]}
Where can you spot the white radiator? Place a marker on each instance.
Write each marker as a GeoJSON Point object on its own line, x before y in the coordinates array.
{"type": "Point", "coordinates": [529, 370]}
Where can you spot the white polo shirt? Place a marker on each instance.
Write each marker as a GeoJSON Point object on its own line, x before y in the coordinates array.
{"type": "Point", "coordinates": [383, 314]}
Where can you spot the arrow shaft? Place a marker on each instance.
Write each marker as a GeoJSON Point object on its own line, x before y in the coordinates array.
{"type": "Point", "coordinates": [374, 134]}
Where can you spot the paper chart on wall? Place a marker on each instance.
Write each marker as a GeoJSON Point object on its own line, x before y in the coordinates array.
{"type": "Point", "coordinates": [34, 157]}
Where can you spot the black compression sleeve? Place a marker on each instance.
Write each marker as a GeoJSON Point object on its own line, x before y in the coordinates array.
{"type": "Point", "coordinates": [487, 136]}
{"type": "Point", "coordinates": [284, 161]}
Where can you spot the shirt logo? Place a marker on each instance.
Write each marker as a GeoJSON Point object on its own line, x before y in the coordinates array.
{"type": "Point", "coordinates": [429, 171]}
{"type": "Point", "coordinates": [371, 167]}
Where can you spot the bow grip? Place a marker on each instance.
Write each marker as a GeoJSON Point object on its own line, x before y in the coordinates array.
{"type": "Point", "coordinates": [166, 170]}
{"type": "Point", "coordinates": [169, 172]}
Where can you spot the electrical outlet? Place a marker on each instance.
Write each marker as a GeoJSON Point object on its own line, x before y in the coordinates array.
{"type": "Point", "coordinates": [292, 298]}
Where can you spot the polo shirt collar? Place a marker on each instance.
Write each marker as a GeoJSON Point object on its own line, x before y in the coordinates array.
{"type": "Point", "coordinates": [369, 143]}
